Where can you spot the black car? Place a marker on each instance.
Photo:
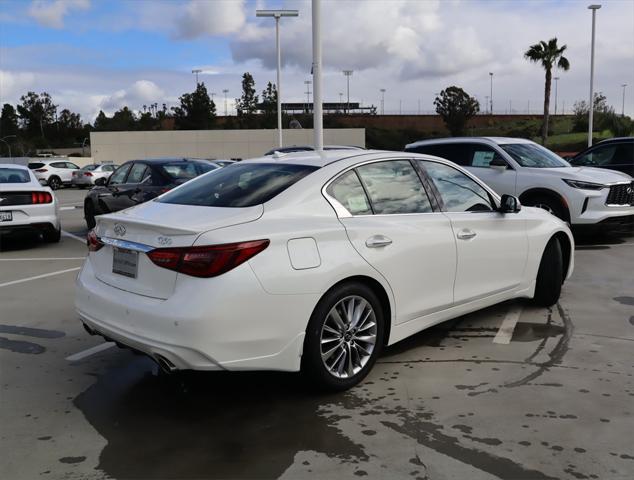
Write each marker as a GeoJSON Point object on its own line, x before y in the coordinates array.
{"type": "Point", "coordinates": [614, 154]}
{"type": "Point", "coordinates": [138, 181]}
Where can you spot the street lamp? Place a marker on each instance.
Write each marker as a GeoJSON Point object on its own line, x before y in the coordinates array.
{"type": "Point", "coordinates": [486, 104]}
{"type": "Point", "coordinates": [307, 92]}
{"type": "Point", "coordinates": [491, 96]}
{"type": "Point", "coordinates": [277, 14]}
{"type": "Point", "coordinates": [348, 74]}
{"type": "Point", "coordinates": [556, 79]}
{"type": "Point", "coordinates": [382, 90]}
{"type": "Point", "coordinates": [623, 108]}
{"type": "Point", "coordinates": [594, 9]}
{"type": "Point", "coordinates": [3, 139]}
{"type": "Point", "coordinates": [225, 91]}
{"type": "Point", "coordinates": [196, 71]}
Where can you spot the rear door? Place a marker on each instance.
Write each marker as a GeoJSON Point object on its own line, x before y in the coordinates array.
{"type": "Point", "coordinates": [492, 247]}
{"type": "Point", "coordinates": [394, 227]}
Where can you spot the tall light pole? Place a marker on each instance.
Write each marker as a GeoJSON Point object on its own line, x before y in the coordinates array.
{"type": "Point", "coordinates": [491, 96]}
{"type": "Point", "coordinates": [486, 104]}
{"type": "Point", "coordinates": [348, 74]}
{"type": "Point", "coordinates": [4, 139]}
{"type": "Point", "coordinates": [307, 92]}
{"type": "Point", "coordinates": [196, 71]}
{"type": "Point", "coordinates": [382, 90]}
{"type": "Point", "coordinates": [225, 91]}
{"type": "Point", "coordinates": [277, 14]}
{"type": "Point", "coordinates": [623, 107]}
{"type": "Point", "coordinates": [318, 113]}
{"type": "Point", "coordinates": [556, 79]}
{"type": "Point", "coordinates": [594, 9]}
{"type": "Point", "coordinates": [340, 97]}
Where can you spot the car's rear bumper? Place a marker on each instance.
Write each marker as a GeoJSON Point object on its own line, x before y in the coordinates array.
{"type": "Point", "coordinates": [31, 217]}
{"type": "Point", "coordinates": [83, 181]}
{"type": "Point", "coordinates": [206, 324]}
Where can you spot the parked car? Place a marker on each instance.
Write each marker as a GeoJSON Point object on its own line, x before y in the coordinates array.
{"type": "Point", "coordinates": [613, 154]}
{"type": "Point", "coordinates": [138, 181]}
{"type": "Point", "coordinates": [54, 172]}
{"type": "Point", "coordinates": [26, 205]}
{"type": "Point", "coordinates": [86, 176]}
{"type": "Point", "coordinates": [539, 177]}
{"type": "Point", "coordinates": [310, 148]}
{"type": "Point", "coordinates": [312, 262]}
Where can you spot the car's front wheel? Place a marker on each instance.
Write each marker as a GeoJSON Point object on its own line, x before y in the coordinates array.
{"type": "Point", "coordinates": [54, 182]}
{"type": "Point", "coordinates": [550, 275]}
{"type": "Point", "coordinates": [344, 337]}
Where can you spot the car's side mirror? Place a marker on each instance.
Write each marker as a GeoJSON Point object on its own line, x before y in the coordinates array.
{"type": "Point", "coordinates": [509, 204]}
{"type": "Point", "coordinates": [498, 164]}
{"type": "Point", "coordinates": [100, 182]}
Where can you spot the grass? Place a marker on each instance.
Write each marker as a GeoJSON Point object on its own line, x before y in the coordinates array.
{"type": "Point", "coordinates": [573, 142]}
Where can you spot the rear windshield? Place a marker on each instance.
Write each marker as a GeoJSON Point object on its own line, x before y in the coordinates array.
{"type": "Point", "coordinates": [185, 170]}
{"type": "Point", "coordinates": [533, 155]}
{"type": "Point", "coordinates": [34, 165]}
{"type": "Point", "coordinates": [239, 185]}
{"type": "Point", "coordinates": [14, 175]}
{"type": "Point", "coordinates": [90, 168]}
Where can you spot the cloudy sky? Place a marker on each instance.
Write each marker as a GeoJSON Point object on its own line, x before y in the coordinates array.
{"type": "Point", "coordinates": [98, 54]}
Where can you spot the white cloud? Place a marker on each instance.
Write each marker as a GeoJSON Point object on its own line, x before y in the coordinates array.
{"type": "Point", "coordinates": [51, 13]}
{"type": "Point", "coordinates": [14, 84]}
{"type": "Point", "coordinates": [210, 17]}
{"type": "Point", "coordinates": [141, 92]}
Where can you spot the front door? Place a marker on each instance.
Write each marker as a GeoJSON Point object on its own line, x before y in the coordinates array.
{"type": "Point", "coordinates": [393, 226]}
{"type": "Point", "coordinates": [502, 179]}
{"type": "Point", "coordinates": [492, 247]}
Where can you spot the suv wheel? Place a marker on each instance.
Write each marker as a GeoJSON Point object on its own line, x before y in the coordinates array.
{"type": "Point", "coordinates": [54, 182]}
{"type": "Point", "coordinates": [550, 204]}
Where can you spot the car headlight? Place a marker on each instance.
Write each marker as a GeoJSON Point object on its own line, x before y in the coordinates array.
{"type": "Point", "coordinates": [583, 185]}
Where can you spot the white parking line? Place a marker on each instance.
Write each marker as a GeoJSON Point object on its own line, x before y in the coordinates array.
{"type": "Point", "coordinates": [505, 333]}
{"type": "Point", "coordinates": [79, 239]}
{"type": "Point", "coordinates": [22, 280]}
{"type": "Point", "coordinates": [68, 208]}
{"type": "Point", "coordinates": [90, 351]}
{"type": "Point", "coordinates": [40, 259]}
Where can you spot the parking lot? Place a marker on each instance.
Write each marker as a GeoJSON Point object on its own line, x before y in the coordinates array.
{"type": "Point", "coordinates": [512, 391]}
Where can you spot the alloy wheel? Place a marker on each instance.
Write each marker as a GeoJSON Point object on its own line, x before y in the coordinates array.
{"type": "Point", "coordinates": [348, 336]}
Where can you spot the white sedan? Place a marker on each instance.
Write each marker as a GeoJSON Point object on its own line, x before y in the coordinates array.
{"type": "Point", "coordinates": [312, 262]}
{"type": "Point", "coordinates": [27, 205]}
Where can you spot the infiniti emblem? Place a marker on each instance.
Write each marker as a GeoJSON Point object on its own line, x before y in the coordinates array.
{"type": "Point", "coordinates": [119, 229]}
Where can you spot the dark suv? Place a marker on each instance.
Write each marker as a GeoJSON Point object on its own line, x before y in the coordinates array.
{"type": "Point", "coordinates": [138, 181]}
{"type": "Point", "coordinates": [614, 154]}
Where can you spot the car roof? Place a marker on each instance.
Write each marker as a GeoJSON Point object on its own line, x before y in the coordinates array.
{"type": "Point", "coordinates": [311, 157]}
{"type": "Point", "coordinates": [14, 165]}
{"type": "Point", "coordinates": [617, 139]}
{"type": "Point", "coordinates": [158, 161]}
{"type": "Point", "coordinates": [48, 159]}
{"type": "Point", "coordinates": [293, 148]}
{"type": "Point", "coordinates": [489, 140]}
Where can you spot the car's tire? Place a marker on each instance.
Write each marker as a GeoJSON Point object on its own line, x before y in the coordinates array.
{"type": "Point", "coordinates": [550, 275]}
{"type": "Point", "coordinates": [548, 203]}
{"type": "Point", "coordinates": [54, 182]}
{"type": "Point", "coordinates": [339, 351]}
{"type": "Point", "coordinates": [89, 214]}
{"type": "Point", "coordinates": [52, 235]}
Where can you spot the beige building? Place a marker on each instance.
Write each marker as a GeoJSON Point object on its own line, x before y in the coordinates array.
{"type": "Point", "coordinates": [122, 146]}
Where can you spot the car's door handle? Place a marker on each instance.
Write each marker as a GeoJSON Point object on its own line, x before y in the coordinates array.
{"type": "Point", "coordinates": [466, 234]}
{"type": "Point", "coordinates": [377, 241]}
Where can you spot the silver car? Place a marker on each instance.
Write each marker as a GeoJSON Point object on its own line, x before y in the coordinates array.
{"type": "Point", "coordinates": [86, 176]}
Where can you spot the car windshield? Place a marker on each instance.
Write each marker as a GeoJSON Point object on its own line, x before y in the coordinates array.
{"type": "Point", "coordinates": [90, 168]}
{"type": "Point", "coordinates": [14, 175]}
{"type": "Point", "coordinates": [238, 185]}
{"type": "Point", "coordinates": [186, 170]}
{"type": "Point", "coordinates": [533, 155]}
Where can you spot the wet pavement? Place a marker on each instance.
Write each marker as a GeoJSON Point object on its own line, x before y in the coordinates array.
{"type": "Point", "coordinates": [448, 403]}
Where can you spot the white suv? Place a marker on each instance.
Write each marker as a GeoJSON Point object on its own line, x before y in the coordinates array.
{"type": "Point", "coordinates": [53, 172]}
{"type": "Point", "coordinates": [540, 178]}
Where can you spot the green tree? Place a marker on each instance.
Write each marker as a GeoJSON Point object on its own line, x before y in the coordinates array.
{"type": "Point", "coordinates": [36, 112]}
{"type": "Point", "coordinates": [269, 106]}
{"type": "Point", "coordinates": [196, 111]}
{"type": "Point", "coordinates": [102, 122]}
{"type": "Point", "coordinates": [247, 104]}
{"type": "Point", "coordinates": [602, 113]}
{"type": "Point", "coordinates": [68, 120]}
{"type": "Point", "coordinates": [123, 119]}
{"type": "Point", "coordinates": [456, 107]}
{"type": "Point", "coordinates": [548, 54]}
{"type": "Point", "coordinates": [8, 121]}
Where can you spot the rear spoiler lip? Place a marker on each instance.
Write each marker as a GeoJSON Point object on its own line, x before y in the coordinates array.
{"type": "Point", "coordinates": [112, 218]}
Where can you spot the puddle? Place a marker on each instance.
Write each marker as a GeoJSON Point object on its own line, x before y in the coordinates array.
{"type": "Point", "coordinates": [31, 332]}
{"type": "Point", "coordinates": [625, 300]}
{"type": "Point", "coordinates": [20, 346]}
{"type": "Point", "coordinates": [532, 332]}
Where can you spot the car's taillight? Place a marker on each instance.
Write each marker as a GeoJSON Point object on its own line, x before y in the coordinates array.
{"type": "Point", "coordinates": [93, 241]}
{"type": "Point", "coordinates": [207, 261]}
{"type": "Point", "coordinates": [87, 174]}
{"type": "Point", "coordinates": [41, 170]}
{"type": "Point", "coordinates": [41, 197]}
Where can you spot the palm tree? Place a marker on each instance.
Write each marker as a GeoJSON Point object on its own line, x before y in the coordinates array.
{"type": "Point", "coordinates": [548, 54]}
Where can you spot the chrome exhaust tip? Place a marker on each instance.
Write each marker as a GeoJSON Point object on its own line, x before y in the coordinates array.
{"type": "Point", "coordinates": [165, 365]}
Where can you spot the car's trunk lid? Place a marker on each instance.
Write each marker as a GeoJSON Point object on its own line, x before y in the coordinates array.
{"type": "Point", "coordinates": [128, 235]}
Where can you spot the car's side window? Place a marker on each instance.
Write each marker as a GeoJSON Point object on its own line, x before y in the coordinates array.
{"type": "Point", "coordinates": [456, 152]}
{"type": "Point", "coordinates": [137, 173]}
{"type": "Point", "coordinates": [482, 155]}
{"type": "Point", "coordinates": [72, 165]}
{"type": "Point", "coordinates": [348, 191]}
{"type": "Point", "coordinates": [624, 154]}
{"type": "Point", "coordinates": [119, 175]}
{"type": "Point", "coordinates": [459, 192]}
{"type": "Point", "coordinates": [58, 164]}
{"type": "Point", "coordinates": [394, 187]}
{"type": "Point", "coordinates": [598, 156]}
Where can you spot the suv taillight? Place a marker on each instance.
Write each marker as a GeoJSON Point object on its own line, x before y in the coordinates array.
{"type": "Point", "coordinates": [41, 197]}
{"type": "Point", "coordinates": [41, 170]}
{"type": "Point", "coordinates": [207, 261]}
{"type": "Point", "coordinates": [93, 241]}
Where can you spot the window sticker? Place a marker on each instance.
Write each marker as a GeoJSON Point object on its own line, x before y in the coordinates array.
{"type": "Point", "coordinates": [482, 159]}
